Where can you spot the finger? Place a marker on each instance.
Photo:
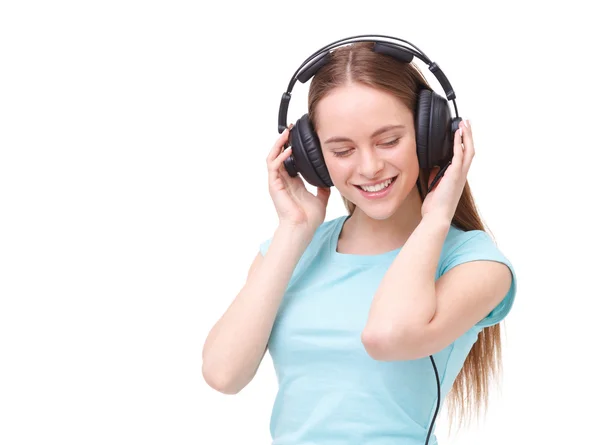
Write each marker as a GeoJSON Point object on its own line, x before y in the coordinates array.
{"type": "Point", "coordinates": [292, 183]}
{"type": "Point", "coordinates": [282, 157]}
{"type": "Point", "coordinates": [276, 149]}
{"type": "Point", "coordinates": [278, 170]}
{"type": "Point", "coordinates": [457, 159]}
{"type": "Point", "coordinates": [276, 166]}
{"type": "Point", "coordinates": [469, 151]}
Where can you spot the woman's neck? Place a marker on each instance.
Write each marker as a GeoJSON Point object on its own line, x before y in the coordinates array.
{"type": "Point", "coordinates": [362, 234]}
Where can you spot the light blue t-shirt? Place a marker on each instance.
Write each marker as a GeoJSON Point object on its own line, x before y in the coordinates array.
{"type": "Point", "coordinates": [331, 392]}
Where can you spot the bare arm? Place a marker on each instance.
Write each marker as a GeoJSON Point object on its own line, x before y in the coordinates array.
{"type": "Point", "coordinates": [236, 345]}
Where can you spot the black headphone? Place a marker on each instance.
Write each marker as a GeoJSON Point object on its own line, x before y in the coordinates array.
{"type": "Point", "coordinates": [434, 125]}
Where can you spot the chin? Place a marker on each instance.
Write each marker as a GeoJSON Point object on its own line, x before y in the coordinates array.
{"type": "Point", "coordinates": [379, 214]}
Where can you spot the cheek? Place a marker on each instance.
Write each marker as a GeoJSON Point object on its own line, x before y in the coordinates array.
{"type": "Point", "coordinates": [412, 168]}
{"type": "Point", "coordinates": [338, 171]}
{"type": "Point", "coordinates": [405, 158]}
{"type": "Point", "coordinates": [412, 162]}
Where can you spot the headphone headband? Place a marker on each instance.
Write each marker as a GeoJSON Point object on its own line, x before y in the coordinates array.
{"type": "Point", "coordinates": [396, 50]}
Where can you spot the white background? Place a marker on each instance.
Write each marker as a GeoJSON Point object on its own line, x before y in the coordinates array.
{"type": "Point", "coordinates": [133, 197]}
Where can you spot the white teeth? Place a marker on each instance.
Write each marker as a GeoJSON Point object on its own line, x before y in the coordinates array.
{"type": "Point", "coordinates": [376, 188]}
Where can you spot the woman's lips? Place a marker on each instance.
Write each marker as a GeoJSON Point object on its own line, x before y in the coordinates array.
{"type": "Point", "coordinates": [380, 194]}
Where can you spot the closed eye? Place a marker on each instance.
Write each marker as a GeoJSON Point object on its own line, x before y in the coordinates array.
{"type": "Point", "coordinates": [391, 143]}
{"type": "Point", "coordinates": [341, 154]}
{"type": "Point", "coordinates": [345, 153]}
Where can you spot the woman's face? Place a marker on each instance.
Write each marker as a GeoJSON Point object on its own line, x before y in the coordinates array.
{"type": "Point", "coordinates": [368, 137]}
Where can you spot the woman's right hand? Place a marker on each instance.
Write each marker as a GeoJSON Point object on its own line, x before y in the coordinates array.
{"type": "Point", "coordinates": [295, 205]}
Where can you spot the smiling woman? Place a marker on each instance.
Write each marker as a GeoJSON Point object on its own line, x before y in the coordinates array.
{"type": "Point", "coordinates": [360, 312]}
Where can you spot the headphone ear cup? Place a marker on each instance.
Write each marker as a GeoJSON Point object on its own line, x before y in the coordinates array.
{"type": "Point", "coordinates": [308, 157]}
{"type": "Point", "coordinates": [422, 114]}
{"type": "Point", "coordinates": [435, 130]}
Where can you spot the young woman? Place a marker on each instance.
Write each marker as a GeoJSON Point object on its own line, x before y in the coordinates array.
{"type": "Point", "coordinates": [354, 311]}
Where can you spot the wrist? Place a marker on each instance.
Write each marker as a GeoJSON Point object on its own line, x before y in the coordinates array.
{"type": "Point", "coordinates": [436, 219]}
{"type": "Point", "coordinates": [296, 235]}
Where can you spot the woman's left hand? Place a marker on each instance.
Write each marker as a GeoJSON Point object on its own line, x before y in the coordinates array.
{"type": "Point", "coordinates": [443, 199]}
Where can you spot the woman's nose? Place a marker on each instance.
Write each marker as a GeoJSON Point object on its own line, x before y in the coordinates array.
{"type": "Point", "coordinates": [370, 164]}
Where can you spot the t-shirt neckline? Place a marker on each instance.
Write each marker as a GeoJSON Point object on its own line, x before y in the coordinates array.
{"type": "Point", "coordinates": [355, 259]}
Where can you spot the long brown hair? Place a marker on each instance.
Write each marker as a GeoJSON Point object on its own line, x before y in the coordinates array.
{"type": "Point", "coordinates": [358, 63]}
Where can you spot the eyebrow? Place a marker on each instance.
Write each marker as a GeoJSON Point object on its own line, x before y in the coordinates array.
{"type": "Point", "coordinates": [375, 133]}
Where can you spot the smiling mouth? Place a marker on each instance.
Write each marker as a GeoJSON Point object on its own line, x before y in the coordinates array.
{"type": "Point", "coordinates": [378, 188]}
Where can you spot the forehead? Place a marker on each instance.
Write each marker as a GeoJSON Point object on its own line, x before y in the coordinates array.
{"type": "Point", "coordinates": [360, 106]}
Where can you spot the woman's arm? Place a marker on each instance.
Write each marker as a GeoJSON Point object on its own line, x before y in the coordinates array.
{"type": "Point", "coordinates": [412, 315]}
{"type": "Point", "coordinates": [236, 344]}
{"type": "Point", "coordinates": [406, 296]}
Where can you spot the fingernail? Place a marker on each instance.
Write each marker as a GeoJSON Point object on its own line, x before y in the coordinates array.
{"type": "Point", "coordinates": [460, 131]}
{"type": "Point", "coordinates": [467, 123]}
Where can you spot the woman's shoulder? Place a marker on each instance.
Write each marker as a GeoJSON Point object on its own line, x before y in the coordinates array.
{"type": "Point", "coordinates": [457, 237]}
{"type": "Point", "coordinates": [469, 245]}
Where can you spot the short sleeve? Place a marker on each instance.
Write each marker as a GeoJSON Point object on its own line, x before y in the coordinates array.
{"type": "Point", "coordinates": [477, 245]}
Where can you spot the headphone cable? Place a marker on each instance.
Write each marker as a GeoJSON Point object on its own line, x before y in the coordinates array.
{"type": "Point", "coordinates": [437, 378]}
